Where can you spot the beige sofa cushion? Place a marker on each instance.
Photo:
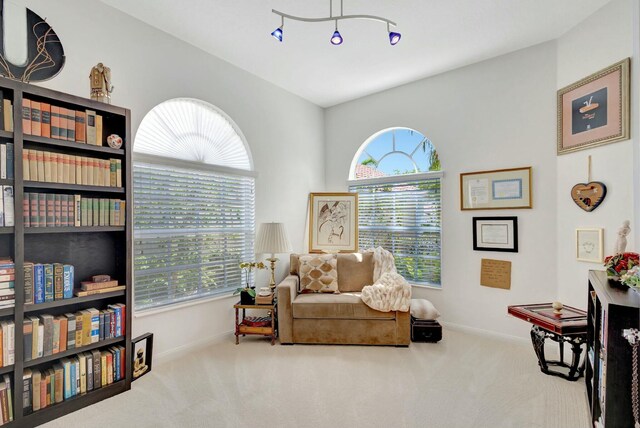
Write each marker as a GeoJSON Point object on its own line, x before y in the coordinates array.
{"type": "Point", "coordinates": [336, 306]}
{"type": "Point", "coordinates": [318, 273]}
{"type": "Point", "coordinates": [355, 270]}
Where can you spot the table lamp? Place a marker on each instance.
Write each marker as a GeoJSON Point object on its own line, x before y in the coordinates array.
{"type": "Point", "coordinates": [272, 239]}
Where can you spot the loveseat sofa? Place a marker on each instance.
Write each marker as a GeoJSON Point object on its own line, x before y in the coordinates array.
{"type": "Point", "coordinates": [343, 318]}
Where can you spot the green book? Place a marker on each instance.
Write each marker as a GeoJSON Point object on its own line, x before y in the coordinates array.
{"type": "Point", "coordinates": [96, 212]}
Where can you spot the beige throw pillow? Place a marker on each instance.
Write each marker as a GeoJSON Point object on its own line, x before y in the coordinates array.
{"type": "Point", "coordinates": [318, 273]}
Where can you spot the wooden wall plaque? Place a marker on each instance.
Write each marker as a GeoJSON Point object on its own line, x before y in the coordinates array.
{"type": "Point", "coordinates": [495, 273]}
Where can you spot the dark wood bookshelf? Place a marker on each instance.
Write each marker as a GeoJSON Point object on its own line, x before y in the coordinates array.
{"type": "Point", "coordinates": [70, 302]}
{"type": "Point", "coordinates": [612, 308]}
{"type": "Point", "coordinates": [91, 250]}
{"type": "Point", "coordinates": [71, 229]}
{"type": "Point", "coordinates": [73, 351]}
{"type": "Point", "coordinates": [6, 182]}
{"type": "Point", "coordinates": [6, 369]}
{"type": "Point", "coordinates": [72, 145]}
{"type": "Point", "coordinates": [74, 187]}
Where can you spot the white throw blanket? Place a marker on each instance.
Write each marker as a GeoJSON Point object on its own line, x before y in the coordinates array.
{"type": "Point", "coordinates": [390, 291]}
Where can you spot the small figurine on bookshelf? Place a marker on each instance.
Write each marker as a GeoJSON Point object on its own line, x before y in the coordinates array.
{"type": "Point", "coordinates": [143, 348]}
{"type": "Point", "coordinates": [100, 79]}
{"type": "Point", "coordinates": [114, 141]}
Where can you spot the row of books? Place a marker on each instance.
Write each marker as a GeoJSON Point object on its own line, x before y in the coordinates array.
{"type": "Point", "coordinates": [56, 210]}
{"type": "Point", "coordinates": [46, 335]}
{"type": "Point", "coordinates": [52, 167]}
{"type": "Point", "coordinates": [6, 116]}
{"type": "Point", "coordinates": [47, 282]}
{"type": "Point", "coordinates": [6, 161]}
{"type": "Point", "coordinates": [7, 283]}
{"type": "Point", "coordinates": [6, 400]}
{"type": "Point", "coordinates": [61, 123]}
{"type": "Point", "coordinates": [73, 376]}
{"type": "Point", "coordinates": [6, 206]}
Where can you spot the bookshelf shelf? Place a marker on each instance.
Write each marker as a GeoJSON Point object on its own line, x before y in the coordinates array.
{"type": "Point", "coordinates": [73, 404]}
{"type": "Point", "coordinates": [72, 187]}
{"type": "Point", "coordinates": [83, 229]}
{"type": "Point", "coordinates": [69, 302]}
{"type": "Point", "coordinates": [73, 351]}
{"type": "Point", "coordinates": [72, 145]}
{"type": "Point", "coordinates": [91, 250]}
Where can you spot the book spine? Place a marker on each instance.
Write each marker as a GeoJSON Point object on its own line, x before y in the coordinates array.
{"type": "Point", "coordinates": [49, 169]}
{"type": "Point", "coordinates": [26, 116]}
{"type": "Point", "coordinates": [28, 283]}
{"type": "Point", "coordinates": [40, 166]}
{"type": "Point", "coordinates": [64, 210]}
{"type": "Point", "coordinates": [55, 122]}
{"type": "Point", "coordinates": [71, 125]}
{"type": "Point", "coordinates": [33, 165]}
{"type": "Point", "coordinates": [46, 119]}
{"type": "Point", "coordinates": [36, 119]}
{"type": "Point", "coordinates": [26, 169]}
{"type": "Point", "coordinates": [68, 281]}
{"type": "Point", "coordinates": [50, 209]}
{"type": "Point", "coordinates": [26, 211]}
{"type": "Point", "coordinates": [3, 161]}
{"type": "Point", "coordinates": [38, 275]}
{"type": "Point", "coordinates": [58, 280]}
{"type": "Point", "coordinates": [2, 100]}
{"type": "Point", "coordinates": [77, 210]}
{"type": "Point", "coordinates": [10, 160]}
{"type": "Point", "coordinates": [42, 209]}
{"type": "Point", "coordinates": [9, 210]}
{"type": "Point", "coordinates": [81, 127]}
{"type": "Point", "coordinates": [57, 215]}
{"type": "Point", "coordinates": [48, 283]}
{"type": "Point", "coordinates": [63, 124]}
{"type": "Point", "coordinates": [64, 325]}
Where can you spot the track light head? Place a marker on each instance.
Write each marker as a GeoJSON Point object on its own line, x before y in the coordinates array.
{"type": "Point", "coordinates": [336, 39]}
{"type": "Point", "coordinates": [278, 34]}
{"type": "Point", "coordinates": [394, 38]}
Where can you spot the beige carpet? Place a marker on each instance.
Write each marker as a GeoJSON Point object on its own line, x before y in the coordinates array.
{"type": "Point", "coordinates": [464, 381]}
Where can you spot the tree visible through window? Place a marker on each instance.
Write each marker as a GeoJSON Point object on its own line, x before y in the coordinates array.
{"type": "Point", "coordinates": [194, 204]}
{"type": "Point", "coordinates": [396, 174]}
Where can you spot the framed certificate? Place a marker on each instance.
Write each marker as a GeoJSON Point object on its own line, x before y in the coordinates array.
{"type": "Point", "coordinates": [495, 190]}
{"type": "Point", "coordinates": [495, 234]}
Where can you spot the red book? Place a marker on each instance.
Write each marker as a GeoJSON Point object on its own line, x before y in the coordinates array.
{"type": "Point", "coordinates": [45, 114]}
{"type": "Point", "coordinates": [26, 218]}
{"type": "Point", "coordinates": [26, 116]}
{"type": "Point", "coordinates": [36, 118]}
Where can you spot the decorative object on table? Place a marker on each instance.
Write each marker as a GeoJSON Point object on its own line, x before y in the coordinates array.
{"type": "Point", "coordinates": [495, 234]}
{"type": "Point", "coordinates": [588, 196]}
{"type": "Point", "coordinates": [264, 296]}
{"type": "Point", "coordinates": [497, 189]}
{"type": "Point", "coordinates": [336, 37]}
{"type": "Point", "coordinates": [100, 80]}
{"type": "Point", "coordinates": [594, 110]}
{"type": "Point", "coordinates": [495, 274]}
{"type": "Point", "coordinates": [248, 293]}
{"type": "Point", "coordinates": [621, 242]}
{"type": "Point", "coordinates": [45, 54]}
{"type": "Point", "coordinates": [619, 264]}
{"type": "Point", "coordinates": [568, 327]}
{"type": "Point", "coordinates": [589, 245]}
{"type": "Point", "coordinates": [333, 222]}
{"type": "Point", "coordinates": [272, 239]}
{"type": "Point", "coordinates": [142, 355]}
{"type": "Point", "coordinates": [557, 308]}
{"type": "Point", "coordinates": [114, 141]}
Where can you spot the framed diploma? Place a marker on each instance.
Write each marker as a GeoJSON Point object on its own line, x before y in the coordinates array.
{"type": "Point", "coordinates": [495, 234]}
{"type": "Point", "coordinates": [495, 190]}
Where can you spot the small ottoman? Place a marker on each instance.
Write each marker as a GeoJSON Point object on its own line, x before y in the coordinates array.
{"type": "Point", "coordinates": [424, 327]}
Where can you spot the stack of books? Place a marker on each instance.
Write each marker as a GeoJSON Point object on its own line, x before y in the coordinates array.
{"type": "Point", "coordinates": [52, 167]}
{"type": "Point", "coordinates": [53, 210]}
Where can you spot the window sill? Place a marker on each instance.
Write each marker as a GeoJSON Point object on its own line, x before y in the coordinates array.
{"type": "Point", "coordinates": [429, 287]}
{"type": "Point", "coordinates": [148, 312]}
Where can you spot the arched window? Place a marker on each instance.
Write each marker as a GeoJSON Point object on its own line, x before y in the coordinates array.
{"type": "Point", "coordinates": [194, 204]}
{"type": "Point", "coordinates": [397, 176]}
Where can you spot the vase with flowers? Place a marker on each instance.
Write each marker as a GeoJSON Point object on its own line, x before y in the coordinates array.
{"type": "Point", "coordinates": [619, 265]}
{"type": "Point", "coordinates": [248, 293]}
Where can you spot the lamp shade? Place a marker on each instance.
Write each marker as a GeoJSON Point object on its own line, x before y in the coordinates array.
{"type": "Point", "coordinates": [272, 239]}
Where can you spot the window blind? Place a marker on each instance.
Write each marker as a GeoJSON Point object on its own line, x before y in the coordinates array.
{"type": "Point", "coordinates": [404, 217]}
{"type": "Point", "coordinates": [191, 229]}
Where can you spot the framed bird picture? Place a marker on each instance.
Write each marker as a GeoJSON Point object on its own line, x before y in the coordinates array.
{"type": "Point", "coordinates": [333, 222]}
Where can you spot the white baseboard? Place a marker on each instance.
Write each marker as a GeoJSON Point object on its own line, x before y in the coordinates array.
{"type": "Point", "coordinates": [178, 352]}
{"type": "Point", "coordinates": [487, 333]}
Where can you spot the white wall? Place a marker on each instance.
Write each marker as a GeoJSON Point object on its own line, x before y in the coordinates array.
{"type": "Point", "coordinates": [601, 40]}
{"type": "Point", "coordinates": [285, 132]}
{"type": "Point", "coordinates": [496, 114]}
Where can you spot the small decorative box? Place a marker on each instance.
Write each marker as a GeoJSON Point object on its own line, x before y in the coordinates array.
{"type": "Point", "coordinates": [425, 331]}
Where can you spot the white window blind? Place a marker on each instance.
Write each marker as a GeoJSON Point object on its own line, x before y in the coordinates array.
{"type": "Point", "coordinates": [192, 228]}
{"type": "Point", "coordinates": [404, 217]}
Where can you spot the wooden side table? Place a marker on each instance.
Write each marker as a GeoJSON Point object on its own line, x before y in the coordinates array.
{"type": "Point", "coordinates": [568, 327]}
{"type": "Point", "coordinates": [244, 329]}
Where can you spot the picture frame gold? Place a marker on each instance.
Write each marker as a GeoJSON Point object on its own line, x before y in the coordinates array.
{"type": "Point", "coordinates": [590, 245]}
{"type": "Point", "coordinates": [333, 222]}
{"type": "Point", "coordinates": [496, 189]}
{"type": "Point", "coordinates": [595, 110]}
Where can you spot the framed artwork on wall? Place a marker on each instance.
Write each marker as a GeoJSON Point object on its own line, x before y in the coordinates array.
{"type": "Point", "coordinates": [495, 234]}
{"type": "Point", "coordinates": [589, 245]}
{"type": "Point", "coordinates": [495, 190]}
{"type": "Point", "coordinates": [333, 222]}
{"type": "Point", "coordinates": [594, 110]}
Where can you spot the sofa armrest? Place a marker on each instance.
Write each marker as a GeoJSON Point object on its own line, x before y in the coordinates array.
{"type": "Point", "coordinates": [287, 291]}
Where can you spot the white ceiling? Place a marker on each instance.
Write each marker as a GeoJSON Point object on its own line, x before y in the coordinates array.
{"type": "Point", "coordinates": [438, 35]}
